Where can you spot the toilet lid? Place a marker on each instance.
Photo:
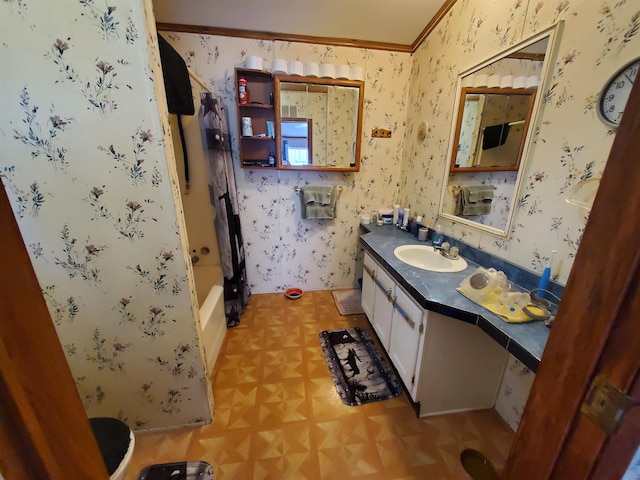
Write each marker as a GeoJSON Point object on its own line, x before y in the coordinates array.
{"type": "Point", "coordinates": [113, 440]}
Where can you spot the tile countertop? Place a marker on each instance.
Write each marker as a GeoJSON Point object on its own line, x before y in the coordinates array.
{"type": "Point", "coordinates": [437, 292]}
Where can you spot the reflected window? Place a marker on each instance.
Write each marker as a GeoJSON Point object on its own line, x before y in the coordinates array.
{"type": "Point", "coordinates": [296, 141]}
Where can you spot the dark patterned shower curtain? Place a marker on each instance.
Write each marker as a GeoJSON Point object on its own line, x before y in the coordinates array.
{"type": "Point", "coordinates": [222, 191]}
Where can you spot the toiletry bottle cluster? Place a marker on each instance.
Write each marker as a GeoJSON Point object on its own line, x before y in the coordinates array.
{"type": "Point", "coordinates": [403, 220]}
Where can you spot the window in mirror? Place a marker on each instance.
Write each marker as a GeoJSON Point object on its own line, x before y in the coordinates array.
{"type": "Point", "coordinates": [332, 110]}
{"type": "Point", "coordinates": [491, 128]}
{"type": "Point", "coordinates": [297, 142]}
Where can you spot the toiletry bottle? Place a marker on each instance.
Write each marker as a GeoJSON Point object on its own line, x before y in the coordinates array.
{"type": "Point", "coordinates": [417, 224]}
{"type": "Point", "coordinates": [405, 220]}
{"type": "Point", "coordinates": [438, 237]}
{"type": "Point", "coordinates": [400, 217]}
{"type": "Point", "coordinates": [430, 230]}
{"type": "Point", "coordinates": [396, 208]}
{"type": "Point", "coordinates": [243, 91]}
{"type": "Point", "coordinates": [546, 275]}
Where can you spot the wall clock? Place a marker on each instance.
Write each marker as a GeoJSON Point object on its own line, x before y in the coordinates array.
{"type": "Point", "coordinates": [615, 93]}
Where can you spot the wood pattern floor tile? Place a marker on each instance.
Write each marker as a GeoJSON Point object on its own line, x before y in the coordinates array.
{"type": "Point", "coordinates": [277, 414]}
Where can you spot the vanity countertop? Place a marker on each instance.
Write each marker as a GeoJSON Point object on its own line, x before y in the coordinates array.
{"type": "Point", "coordinates": [437, 292]}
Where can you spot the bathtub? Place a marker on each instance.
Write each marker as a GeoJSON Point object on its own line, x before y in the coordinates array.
{"type": "Point", "coordinates": [209, 281]}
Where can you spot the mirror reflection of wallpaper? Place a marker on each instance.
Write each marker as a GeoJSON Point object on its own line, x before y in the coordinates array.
{"type": "Point", "coordinates": [343, 114]}
{"type": "Point", "coordinates": [503, 182]}
{"type": "Point", "coordinates": [311, 105]}
{"type": "Point", "coordinates": [570, 143]}
{"type": "Point", "coordinates": [473, 104]}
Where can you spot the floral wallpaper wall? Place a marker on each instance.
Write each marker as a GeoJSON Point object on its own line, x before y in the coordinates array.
{"type": "Point", "coordinates": [570, 144]}
{"type": "Point", "coordinates": [282, 249]}
{"type": "Point", "coordinates": [83, 161]}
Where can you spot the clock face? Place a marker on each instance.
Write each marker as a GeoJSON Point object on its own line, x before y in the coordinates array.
{"type": "Point", "coordinates": [615, 93]}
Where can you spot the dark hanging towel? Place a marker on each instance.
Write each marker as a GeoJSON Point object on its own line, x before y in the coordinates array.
{"type": "Point", "coordinates": [495, 135]}
{"type": "Point", "coordinates": [222, 190]}
{"type": "Point", "coordinates": [178, 88]}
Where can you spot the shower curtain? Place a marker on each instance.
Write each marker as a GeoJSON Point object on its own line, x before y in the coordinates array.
{"type": "Point", "coordinates": [222, 191]}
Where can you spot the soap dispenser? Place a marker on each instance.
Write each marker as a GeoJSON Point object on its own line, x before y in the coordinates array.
{"type": "Point", "coordinates": [438, 237]}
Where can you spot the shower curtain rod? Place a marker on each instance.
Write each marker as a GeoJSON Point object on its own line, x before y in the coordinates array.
{"type": "Point", "coordinates": [198, 80]}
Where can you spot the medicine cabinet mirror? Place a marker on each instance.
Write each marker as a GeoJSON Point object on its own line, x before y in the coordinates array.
{"type": "Point", "coordinates": [491, 128]}
{"type": "Point", "coordinates": [319, 123]}
{"type": "Point", "coordinates": [497, 103]}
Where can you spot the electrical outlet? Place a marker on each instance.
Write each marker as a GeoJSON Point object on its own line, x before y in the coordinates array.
{"type": "Point", "coordinates": [380, 133]}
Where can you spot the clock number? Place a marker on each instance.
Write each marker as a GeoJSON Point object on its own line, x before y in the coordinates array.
{"type": "Point", "coordinates": [614, 95]}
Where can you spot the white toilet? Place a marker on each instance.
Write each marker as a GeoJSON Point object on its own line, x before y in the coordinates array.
{"type": "Point", "coordinates": [116, 442]}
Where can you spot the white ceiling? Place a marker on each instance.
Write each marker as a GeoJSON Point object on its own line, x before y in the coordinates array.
{"type": "Point", "coordinates": [386, 21]}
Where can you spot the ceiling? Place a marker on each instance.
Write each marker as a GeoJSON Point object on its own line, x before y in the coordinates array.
{"type": "Point", "coordinates": [398, 22]}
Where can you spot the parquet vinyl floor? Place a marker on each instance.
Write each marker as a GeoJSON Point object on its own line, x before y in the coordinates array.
{"type": "Point", "coordinates": [277, 414]}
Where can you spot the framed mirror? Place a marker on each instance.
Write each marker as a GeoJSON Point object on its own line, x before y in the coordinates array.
{"type": "Point", "coordinates": [497, 104]}
{"type": "Point", "coordinates": [319, 123]}
{"type": "Point", "coordinates": [491, 128]}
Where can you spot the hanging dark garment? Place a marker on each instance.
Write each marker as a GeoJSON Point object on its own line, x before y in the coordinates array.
{"type": "Point", "coordinates": [222, 191]}
{"type": "Point", "coordinates": [495, 136]}
{"type": "Point", "coordinates": [178, 88]}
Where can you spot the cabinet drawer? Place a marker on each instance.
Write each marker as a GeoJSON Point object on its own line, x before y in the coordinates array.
{"type": "Point", "coordinates": [384, 280]}
{"type": "Point", "coordinates": [369, 264]}
{"type": "Point", "coordinates": [408, 308]}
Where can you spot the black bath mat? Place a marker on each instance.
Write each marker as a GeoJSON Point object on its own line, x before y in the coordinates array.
{"type": "Point", "coordinates": [359, 372]}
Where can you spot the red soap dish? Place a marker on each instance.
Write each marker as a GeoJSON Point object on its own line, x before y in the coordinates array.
{"type": "Point", "coordinates": [293, 293]}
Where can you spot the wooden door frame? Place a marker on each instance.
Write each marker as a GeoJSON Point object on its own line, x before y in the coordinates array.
{"type": "Point", "coordinates": [593, 331]}
{"type": "Point", "coordinates": [44, 430]}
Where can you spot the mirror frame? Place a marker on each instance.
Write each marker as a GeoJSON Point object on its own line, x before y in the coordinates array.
{"type": "Point", "coordinates": [280, 78]}
{"type": "Point", "coordinates": [552, 33]}
{"type": "Point", "coordinates": [491, 91]}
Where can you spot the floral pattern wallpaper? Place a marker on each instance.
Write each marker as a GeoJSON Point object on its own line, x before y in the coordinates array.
{"type": "Point", "coordinates": [84, 164]}
{"type": "Point", "coordinates": [570, 143]}
{"type": "Point", "coordinates": [514, 391]}
{"type": "Point", "coordinates": [282, 249]}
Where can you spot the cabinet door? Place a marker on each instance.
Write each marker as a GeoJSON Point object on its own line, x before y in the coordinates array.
{"type": "Point", "coordinates": [383, 306]}
{"type": "Point", "coordinates": [461, 367]}
{"type": "Point", "coordinates": [406, 336]}
{"type": "Point", "coordinates": [368, 286]}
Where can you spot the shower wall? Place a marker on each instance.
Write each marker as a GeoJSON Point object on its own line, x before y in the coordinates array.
{"type": "Point", "coordinates": [199, 214]}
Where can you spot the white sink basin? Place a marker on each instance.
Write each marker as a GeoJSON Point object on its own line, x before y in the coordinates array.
{"type": "Point", "coordinates": [426, 258]}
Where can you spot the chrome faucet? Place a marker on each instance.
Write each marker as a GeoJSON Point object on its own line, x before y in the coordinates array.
{"type": "Point", "coordinates": [446, 250]}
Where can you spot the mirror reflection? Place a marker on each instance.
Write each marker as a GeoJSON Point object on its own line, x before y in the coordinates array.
{"type": "Point", "coordinates": [491, 135]}
{"type": "Point", "coordinates": [491, 128]}
{"type": "Point", "coordinates": [297, 143]}
{"type": "Point", "coordinates": [319, 123]}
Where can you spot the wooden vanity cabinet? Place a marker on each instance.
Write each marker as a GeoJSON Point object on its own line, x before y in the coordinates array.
{"type": "Point", "coordinates": [446, 365]}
